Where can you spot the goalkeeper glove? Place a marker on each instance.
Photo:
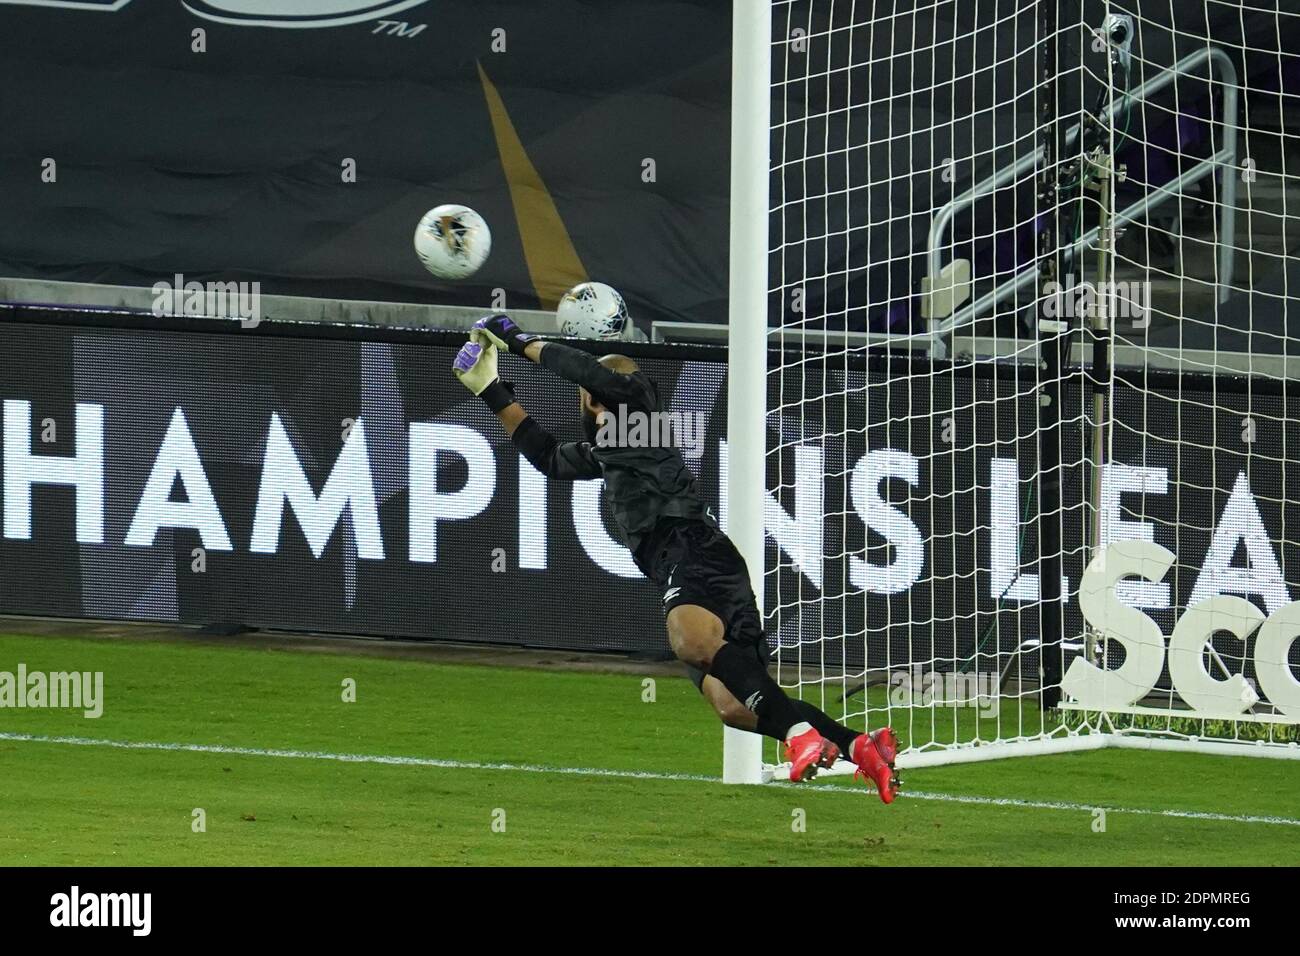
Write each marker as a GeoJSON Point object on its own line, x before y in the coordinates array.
{"type": "Point", "coordinates": [476, 368]}
{"type": "Point", "coordinates": [502, 332]}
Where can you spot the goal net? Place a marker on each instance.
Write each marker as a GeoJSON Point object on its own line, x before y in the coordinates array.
{"type": "Point", "coordinates": [1029, 419]}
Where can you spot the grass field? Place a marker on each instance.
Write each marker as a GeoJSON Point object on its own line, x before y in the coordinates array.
{"type": "Point", "coordinates": [246, 736]}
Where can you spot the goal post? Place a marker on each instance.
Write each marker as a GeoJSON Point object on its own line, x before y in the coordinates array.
{"type": "Point", "coordinates": [746, 454]}
{"type": "Point", "coordinates": [1012, 415]}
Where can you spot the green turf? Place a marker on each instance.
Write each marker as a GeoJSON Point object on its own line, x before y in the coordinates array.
{"type": "Point", "coordinates": [66, 804]}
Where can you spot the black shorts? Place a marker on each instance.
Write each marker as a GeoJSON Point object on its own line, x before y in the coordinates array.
{"type": "Point", "coordinates": [695, 563]}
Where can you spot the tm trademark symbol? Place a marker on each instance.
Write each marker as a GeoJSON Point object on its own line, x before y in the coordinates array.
{"type": "Point", "coordinates": [397, 28]}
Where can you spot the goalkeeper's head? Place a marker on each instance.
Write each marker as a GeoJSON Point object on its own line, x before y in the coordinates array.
{"type": "Point", "coordinates": [590, 406]}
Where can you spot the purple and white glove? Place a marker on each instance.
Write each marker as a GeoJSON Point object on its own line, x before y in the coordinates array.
{"type": "Point", "coordinates": [502, 332]}
{"type": "Point", "coordinates": [476, 368]}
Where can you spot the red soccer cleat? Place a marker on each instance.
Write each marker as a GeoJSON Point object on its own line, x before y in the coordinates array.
{"type": "Point", "coordinates": [874, 756]}
{"type": "Point", "coordinates": [886, 742]}
{"type": "Point", "coordinates": [807, 753]}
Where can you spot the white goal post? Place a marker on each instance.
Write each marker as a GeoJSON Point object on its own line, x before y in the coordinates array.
{"type": "Point", "coordinates": [1010, 301]}
{"type": "Point", "coordinates": [747, 325]}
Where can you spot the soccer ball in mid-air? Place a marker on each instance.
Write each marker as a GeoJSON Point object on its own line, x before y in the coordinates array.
{"type": "Point", "coordinates": [452, 241]}
{"type": "Point", "coordinates": [593, 310]}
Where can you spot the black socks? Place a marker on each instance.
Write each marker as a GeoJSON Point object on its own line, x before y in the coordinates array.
{"type": "Point", "coordinates": [741, 672]}
{"type": "Point", "coordinates": [744, 675]}
{"type": "Point", "coordinates": [831, 729]}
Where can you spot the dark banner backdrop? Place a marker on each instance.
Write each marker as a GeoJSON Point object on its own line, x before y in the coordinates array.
{"type": "Point", "coordinates": [904, 532]}
{"type": "Point", "coordinates": [227, 163]}
{"type": "Point", "coordinates": [560, 579]}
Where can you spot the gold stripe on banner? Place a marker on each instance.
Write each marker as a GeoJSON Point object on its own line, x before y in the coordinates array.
{"type": "Point", "coordinates": [553, 263]}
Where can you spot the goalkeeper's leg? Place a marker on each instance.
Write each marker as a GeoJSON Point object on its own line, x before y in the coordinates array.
{"type": "Point", "coordinates": [873, 753]}
{"type": "Point", "coordinates": [734, 714]}
{"type": "Point", "coordinates": [714, 626]}
{"type": "Point", "coordinates": [698, 638]}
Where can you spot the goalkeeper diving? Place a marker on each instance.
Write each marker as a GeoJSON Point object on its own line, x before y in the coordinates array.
{"type": "Point", "coordinates": [713, 620]}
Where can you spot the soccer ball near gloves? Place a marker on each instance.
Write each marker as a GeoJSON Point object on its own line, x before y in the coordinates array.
{"type": "Point", "coordinates": [594, 310]}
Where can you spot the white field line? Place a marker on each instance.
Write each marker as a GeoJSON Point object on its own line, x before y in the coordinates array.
{"type": "Point", "coordinates": [627, 775]}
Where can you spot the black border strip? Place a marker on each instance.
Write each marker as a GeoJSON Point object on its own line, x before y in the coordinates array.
{"type": "Point", "coordinates": [107, 318]}
{"type": "Point", "coordinates": [899, 361]}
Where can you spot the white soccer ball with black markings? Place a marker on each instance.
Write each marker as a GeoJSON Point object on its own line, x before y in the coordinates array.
{"type": "Point", "coordinates": [594, 310]}
{"type": "Point", "coordinates": [452, 241]}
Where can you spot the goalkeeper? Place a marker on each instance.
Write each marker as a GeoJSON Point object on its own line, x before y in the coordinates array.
{"type": "Point", "coordinates": [713, 620]}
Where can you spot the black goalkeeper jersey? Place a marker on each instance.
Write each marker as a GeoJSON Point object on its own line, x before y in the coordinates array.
{"type": "Point", "coordinates": [647, 487]}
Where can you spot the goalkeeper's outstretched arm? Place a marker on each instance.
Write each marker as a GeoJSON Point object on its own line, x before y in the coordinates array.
{"type": "Point", "coordinates": [565, 461]}
{"type": "Point", "coordinates": [476, 368]}
{"type": "Point", "coordinates": [609, 386]}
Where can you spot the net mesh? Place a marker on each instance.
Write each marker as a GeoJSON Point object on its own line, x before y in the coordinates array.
{"type": "Point", "coordinates": [1020, 252]}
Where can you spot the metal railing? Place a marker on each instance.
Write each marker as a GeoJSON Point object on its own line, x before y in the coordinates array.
{"type": "Point", "coordinates": [664, 331]}
{"type": "Point", "coordinates": [1219, 62]}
